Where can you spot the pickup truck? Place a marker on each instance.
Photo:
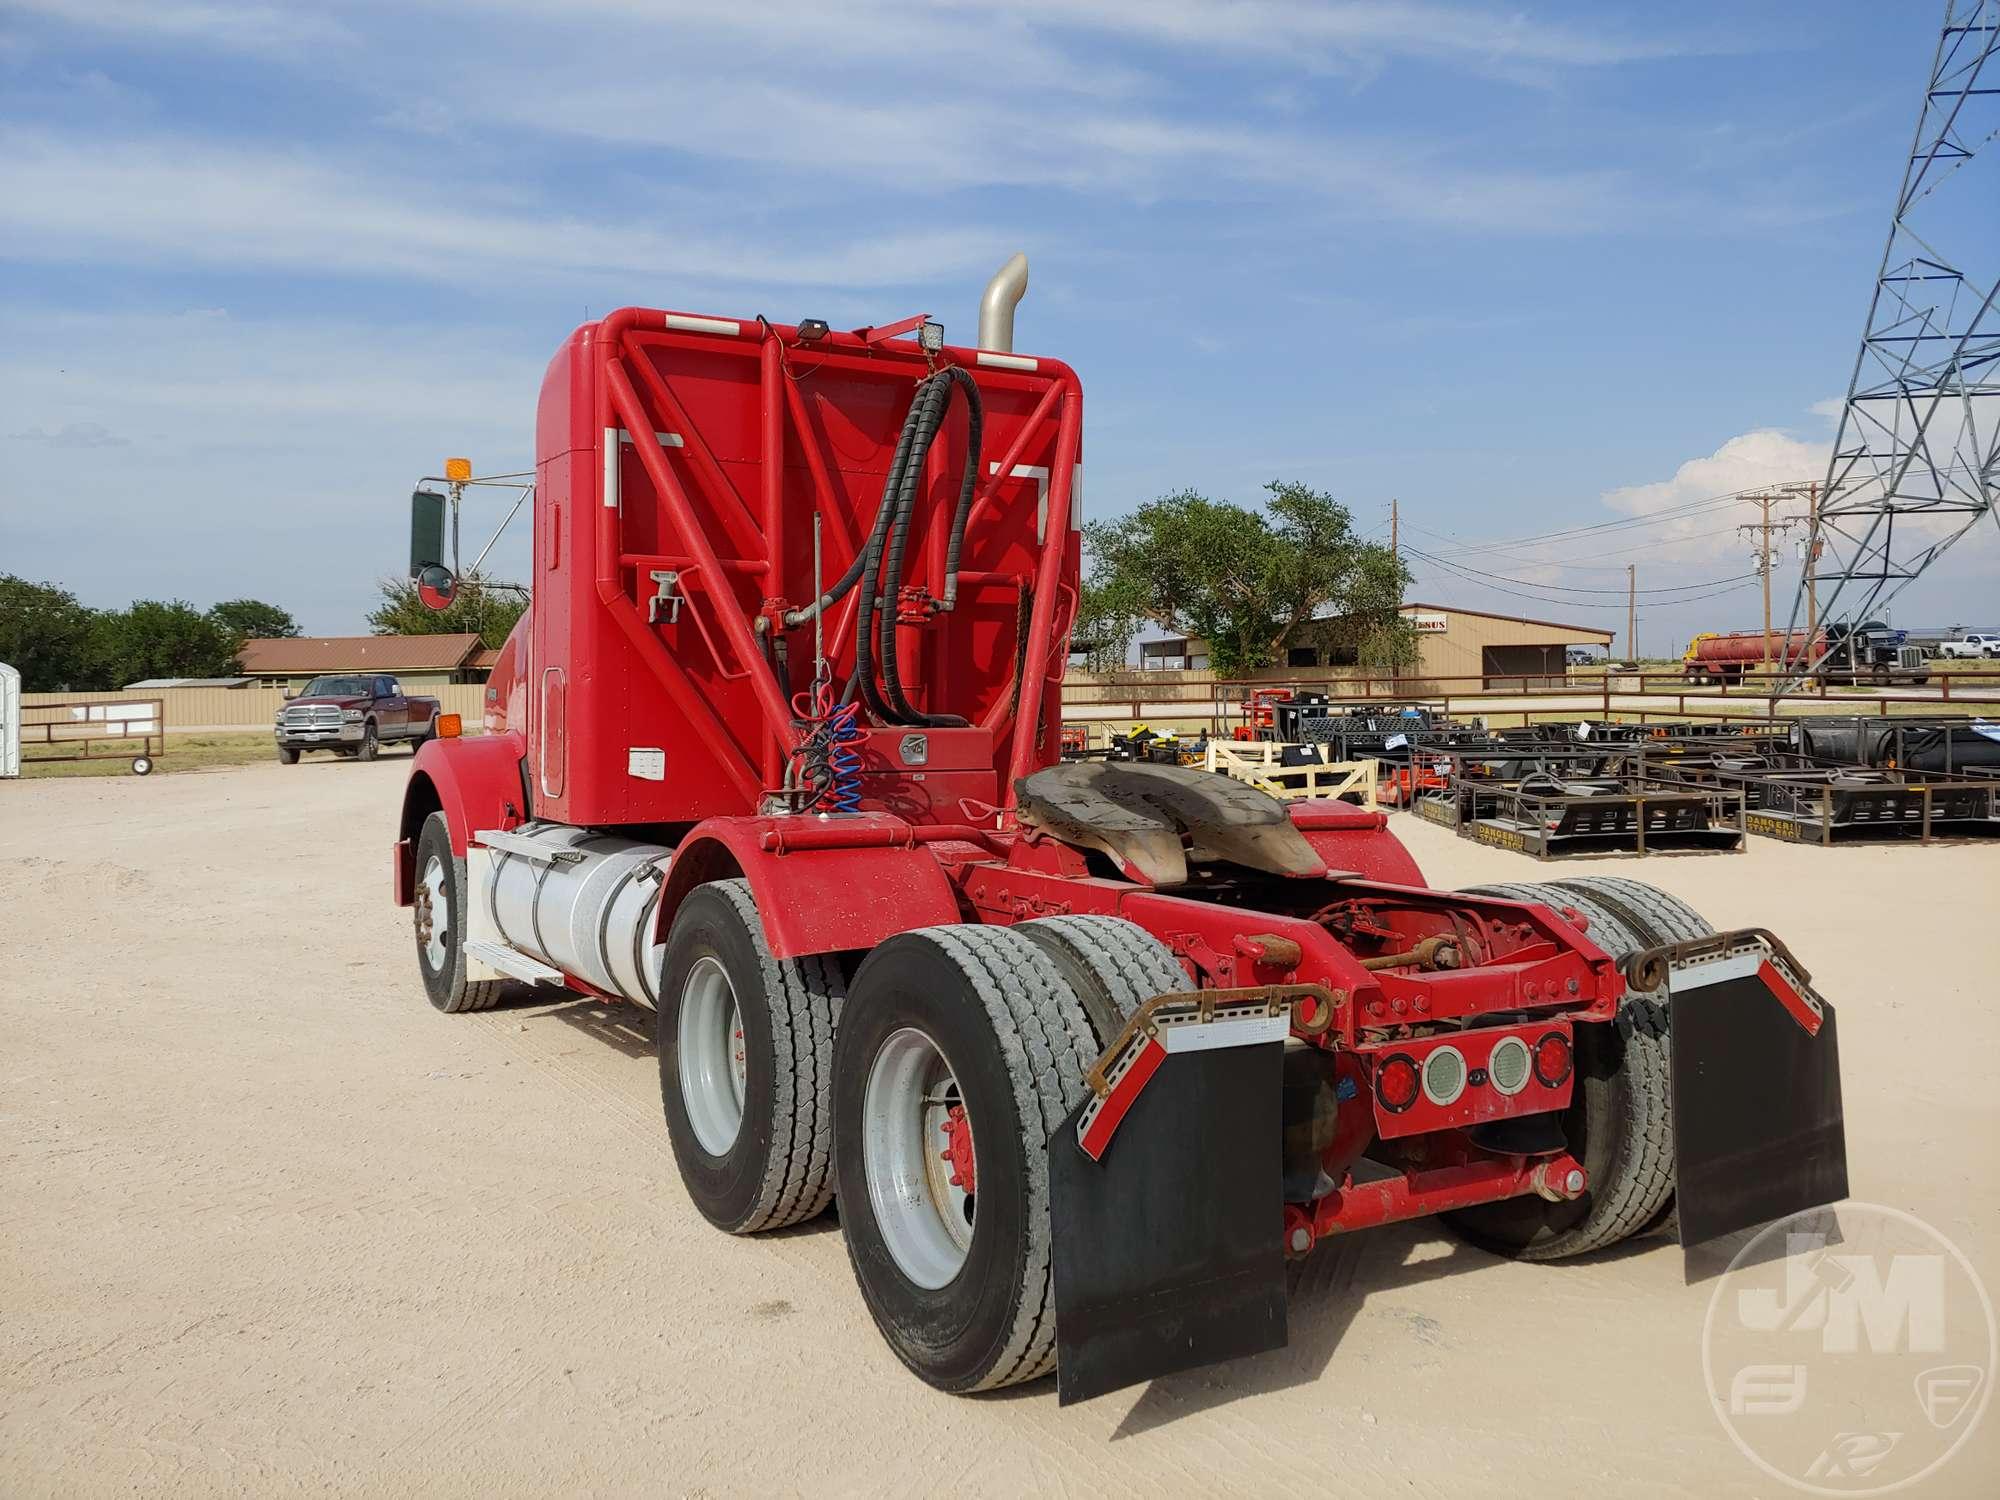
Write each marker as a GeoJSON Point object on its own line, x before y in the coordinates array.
{"type": "Point", "coordinates": [352, 714]}
{"type": "Point", "coordinates": [1970, 646]}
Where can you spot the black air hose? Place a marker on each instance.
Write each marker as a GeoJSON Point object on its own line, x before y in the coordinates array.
{"type": "Point", "coordinates": [929, 395]}
{"type": "Point", "coordinates": [975, 425]}
{"type": "Point", "coordinates": [891, 583]}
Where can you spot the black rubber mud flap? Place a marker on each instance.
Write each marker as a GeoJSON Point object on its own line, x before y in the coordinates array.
{"type": "Point", "coordinates": [1758, 1127]}
{"type": "Point", "coordinates": [1169, 1251]}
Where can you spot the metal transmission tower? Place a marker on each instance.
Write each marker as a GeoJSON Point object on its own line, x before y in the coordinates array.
{"type": "Point", "coordinates": [1917, 460]}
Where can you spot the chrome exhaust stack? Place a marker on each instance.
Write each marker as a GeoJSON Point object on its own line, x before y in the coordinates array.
{"type": "Point", "coordinates": [996, 308]}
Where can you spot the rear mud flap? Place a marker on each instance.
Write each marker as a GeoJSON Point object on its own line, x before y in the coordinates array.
{"type": "Point", "coordinates": [1758, 1127]}
{"type": "Point", "coordinates": [1168, 1249]}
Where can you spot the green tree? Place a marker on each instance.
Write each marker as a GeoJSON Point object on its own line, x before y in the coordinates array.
{"type": "Point", "coordinates": [163, 638]}
{"type": "Point", "coordinates": [1107, 617]}
{"type": "Point", "coordinates": [49, 635]}
{"type": "Point", "coordinates": [489, 614]}
{"type": "Point", "coordinates": [1245, 580]}
{"type": "Point", "coordinates": [253, 619]}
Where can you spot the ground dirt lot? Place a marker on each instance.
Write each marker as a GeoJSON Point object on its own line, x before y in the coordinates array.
{"type": "Point", "coordinates": [270, 1225]}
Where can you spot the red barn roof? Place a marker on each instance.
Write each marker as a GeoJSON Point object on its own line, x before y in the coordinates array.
{"type": "Point", "coordinates": [301, 655]}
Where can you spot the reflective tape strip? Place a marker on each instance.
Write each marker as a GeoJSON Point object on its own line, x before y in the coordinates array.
{"type": "Point", "coordinates": [665, 439]}
{"type": "Point", "coordinates": [611, 436]}
{"type": "Point", "coordinates": [1099, 1123]}
{"type": "Point", "coordinates": [688, 324]}
{"type": "Point", "coordinates": [1007, 361]}
{"type": "Point", "coordinates": [1799, 1006]}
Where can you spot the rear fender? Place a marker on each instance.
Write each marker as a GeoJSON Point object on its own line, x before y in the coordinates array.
{"type": "Point", "coordinates": [475, 783]}
{"type": "Point", "coordinates": [1353, 838]}
{"type": "Point", "coordinates": [813, 900]}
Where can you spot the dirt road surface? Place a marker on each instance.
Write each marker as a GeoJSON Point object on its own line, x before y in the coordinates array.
{"type": "Point", "coordinates": [270, 1225]}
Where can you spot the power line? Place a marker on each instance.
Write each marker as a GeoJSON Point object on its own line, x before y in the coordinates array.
{"type": "Point", "coordinates": [1651, 549]}
{"type": "Point", "coordinates": [1569, 588]}
{"type": "Point", "coordinates": [1655, 518]}
{"type": "Point", "coordinates": [1486, 581]}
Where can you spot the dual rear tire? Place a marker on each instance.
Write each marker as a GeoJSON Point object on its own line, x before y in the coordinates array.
{"type": "Point", "coordinates": [964, 1049]}
{"type": "Point", "coordinates": [923, 1094]}
{"type": "Point", "coordinates": [1620, 1120]}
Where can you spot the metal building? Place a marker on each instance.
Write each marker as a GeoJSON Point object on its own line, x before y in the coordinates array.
{"type": "Point", "coordinates": [1470, 642]}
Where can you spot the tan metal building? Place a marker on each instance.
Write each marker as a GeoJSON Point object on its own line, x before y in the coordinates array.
{"type": "Point", "coordinates": [1472, 643]}
{"type": "Point", "coordinates": [1451, 642]}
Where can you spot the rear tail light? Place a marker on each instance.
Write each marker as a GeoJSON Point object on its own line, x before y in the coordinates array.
{"type": "Point", "coordinates": [1444, 1075]}
{"type": "Point", "coordinates": [1396, 1083]}
{"type": "Point", "coordinates": [1509, 1065]}
{"type": "Point", "coordinates": [1552, 1059]}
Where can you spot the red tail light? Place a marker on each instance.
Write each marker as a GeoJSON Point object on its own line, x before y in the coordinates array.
{"type": "Point", "coordinates": [1397, 1083]}
{"type": "Point", "coordinates": [1552, 1059]}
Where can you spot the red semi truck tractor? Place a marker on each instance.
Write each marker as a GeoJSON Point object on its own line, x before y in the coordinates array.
{"type": "Point", "coordinates": [1086, 1051]}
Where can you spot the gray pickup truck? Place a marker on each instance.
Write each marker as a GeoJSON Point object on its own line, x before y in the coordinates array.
{"type": "Point", "coordinates": [352, 714]}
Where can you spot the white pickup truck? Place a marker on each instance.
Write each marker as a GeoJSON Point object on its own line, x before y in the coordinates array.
{"type": "Point", "coordinates": [1970, 647]}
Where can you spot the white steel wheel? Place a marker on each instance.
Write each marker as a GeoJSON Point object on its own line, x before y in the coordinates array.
{"type": "Point", "coordinates": [746, 1064]}
{"type": "Point", "coordinates": [142, 765]}
{"type": "Point", "coordinates": [434, 911]}
{"type": "Point", "coordinates": [713, 1060]}
{"type": "Point", "coordinates": [437, 900]}
{"type": "Point", "coordinates": [956, 1036]}
{"type": "Point", "coordinates": [913, 1121]}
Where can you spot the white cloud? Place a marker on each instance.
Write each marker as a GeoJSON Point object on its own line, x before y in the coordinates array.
{"type": "Point", "coordinates": [72, 435]}
{"type": "Point", "coordinates": [189, 202]}
{"type": "Point", "coordinates": [1327, 33]}
{"type": "Point", "coordinates": [267, 457]}
{"type": "Point", "coordinates": [231, 24]}
{"type": "Point", "coordinates": [1760, 459]}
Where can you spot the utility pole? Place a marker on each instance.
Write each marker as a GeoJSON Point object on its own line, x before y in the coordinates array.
{"type": "Point", "coordinates": [1764, 529]}
{"type": "Point", "coordinates": [1393, 519]}
{"type": "Point", "coordinates": [1632, 612]}
{"type": "Point", "coordinates": [1812, 563]}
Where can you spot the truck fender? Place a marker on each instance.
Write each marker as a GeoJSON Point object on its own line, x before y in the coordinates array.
{"type": "Point", "coordinates": [812, 900]}
{"type": "Point", "coordinates": [1353, 838]}
{"type": "Point", "coordinates": [476, 783]}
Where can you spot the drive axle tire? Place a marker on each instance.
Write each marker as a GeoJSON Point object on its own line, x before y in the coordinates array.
{"type": "Point", "coordinates": [1113, 966]}
{"type": "Point", "coordinates": [963, 1044]}
{"type": "Point", "coordinates": [1620, 1120]}
{"type": "Point", "coordinates": [746, 1065]}
{"type": "Point", "coordinates": [439, 909]}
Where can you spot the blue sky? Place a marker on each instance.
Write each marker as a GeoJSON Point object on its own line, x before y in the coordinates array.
{"type": "Point", "coordinates": [1524, 268]}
